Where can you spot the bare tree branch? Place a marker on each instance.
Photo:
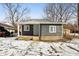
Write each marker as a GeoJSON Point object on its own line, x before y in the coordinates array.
{"type": "Point", "coordinates": [60, 11]}
{"type": "Point", "coordinates": [15, 12]}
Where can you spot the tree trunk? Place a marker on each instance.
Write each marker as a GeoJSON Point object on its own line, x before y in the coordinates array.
{"type": "Point", "coordinates": [78, 18]}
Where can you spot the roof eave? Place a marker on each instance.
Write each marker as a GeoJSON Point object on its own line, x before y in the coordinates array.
{"type": "Point", "coordinates": [42, 23]}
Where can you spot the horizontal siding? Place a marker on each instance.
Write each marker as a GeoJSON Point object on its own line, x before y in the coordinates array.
{"type": "Point", "coordinates": [27, 32]}
{"type": "Point", "coordinates": [45, 30]}
{"type": "Point", "coordinates": [36, 29]}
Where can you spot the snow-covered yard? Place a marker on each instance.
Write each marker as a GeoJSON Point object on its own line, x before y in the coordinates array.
{"type": "Point", "coordinates": [12, 47]}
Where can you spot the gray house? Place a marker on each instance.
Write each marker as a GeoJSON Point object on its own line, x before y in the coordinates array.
{"type": "Point", "coordinates": [44, 29]}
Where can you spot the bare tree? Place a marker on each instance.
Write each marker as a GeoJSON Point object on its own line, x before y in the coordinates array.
{"type": "Point", "coordinates": [15, 13]}
{"type": "Point", "coordinates": [76, 13]}
{"type": "Point", "coordinates": [60, 11]}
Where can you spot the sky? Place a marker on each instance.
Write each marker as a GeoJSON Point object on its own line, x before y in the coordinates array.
{"type": "Point", "coordinates": [35, 10]}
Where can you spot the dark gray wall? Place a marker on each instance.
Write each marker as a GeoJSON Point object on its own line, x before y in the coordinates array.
{"type": "Point", "coordinates": [27, 32]}
{"type": "Point", "coordinates": [45, 30]}
{"type": "Point", "coordinates": [36, 29]}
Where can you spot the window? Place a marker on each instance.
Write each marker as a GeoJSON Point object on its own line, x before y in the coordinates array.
{"type": "Point", "coordinates": [26, 28]}
{"type": "Point", "coordinates": [52, 29]}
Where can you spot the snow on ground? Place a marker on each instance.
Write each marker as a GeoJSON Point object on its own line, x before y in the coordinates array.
{"type": "Point", "coordinates": [12, 47]}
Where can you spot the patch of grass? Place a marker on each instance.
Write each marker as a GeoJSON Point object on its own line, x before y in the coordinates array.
{"type": "Point", "coordinates": [24, 38]}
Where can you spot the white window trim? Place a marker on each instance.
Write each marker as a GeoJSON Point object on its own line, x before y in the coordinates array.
{"type": "Point", "coordinates": [25, 28]}
{"type": "Point", "coordinates": [52, 29]}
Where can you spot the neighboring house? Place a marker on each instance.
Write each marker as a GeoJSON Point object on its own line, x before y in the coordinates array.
{"type": "Point", "coordinates": [44, 29]}
{"type": "Point", "coordinates": [7, 27]}
{"type": "Point", "coordinates": [67, 28]}
{"type": "Point", "coordinates": [70, 29]}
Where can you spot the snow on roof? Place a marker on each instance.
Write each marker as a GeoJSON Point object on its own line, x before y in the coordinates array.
{"type": "Point", "coordinates": [40, 21]}
{"type": "Point", "coordinates": [6, 26]}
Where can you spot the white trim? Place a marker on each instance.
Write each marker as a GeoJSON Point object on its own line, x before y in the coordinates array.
{"type": "Point", "coordinates": [52, 29]}
{"type": "Point", "coordinates": [18, 29]}
{"type": "Point", "coordinates": [41, 22]}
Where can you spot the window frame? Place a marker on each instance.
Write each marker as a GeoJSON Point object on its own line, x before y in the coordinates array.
{"type": "Point", "coordinates": [26, 27]}
{"type": "Point", "coordinates": [52, 29]}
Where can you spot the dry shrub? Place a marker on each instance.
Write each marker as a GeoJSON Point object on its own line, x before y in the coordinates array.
{"type": "Point", "coordinates": [68, 37]}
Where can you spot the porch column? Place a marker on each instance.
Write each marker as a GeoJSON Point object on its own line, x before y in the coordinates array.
{"type": "Point", "coordinates": [18, 29]}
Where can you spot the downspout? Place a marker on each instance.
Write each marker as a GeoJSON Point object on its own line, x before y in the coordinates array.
{"type": "Point", "coordinates": [62, 30]}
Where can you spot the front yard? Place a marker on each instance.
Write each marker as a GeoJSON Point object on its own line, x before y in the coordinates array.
{"type": "Point", "coordinates": [12, 47]}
